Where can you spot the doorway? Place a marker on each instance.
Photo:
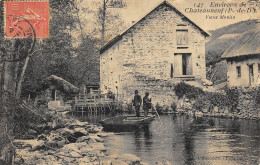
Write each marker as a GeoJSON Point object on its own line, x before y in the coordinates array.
{"type": "Point", "coordinates": [182, 64]}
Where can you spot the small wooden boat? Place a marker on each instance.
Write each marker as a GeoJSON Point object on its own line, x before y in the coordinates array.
{"type": "Point", "coordinates": [119, 122]}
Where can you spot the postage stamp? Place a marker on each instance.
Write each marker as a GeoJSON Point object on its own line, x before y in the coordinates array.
{"type": "Point", "coordinates": [20, 15]}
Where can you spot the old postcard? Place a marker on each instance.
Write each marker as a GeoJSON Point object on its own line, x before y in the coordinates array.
{"type": "Point", "coordinates": [113, 82]}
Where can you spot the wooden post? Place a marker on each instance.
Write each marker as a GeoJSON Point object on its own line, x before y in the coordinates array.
{"type": "Point", "coordinates": [55, 95]}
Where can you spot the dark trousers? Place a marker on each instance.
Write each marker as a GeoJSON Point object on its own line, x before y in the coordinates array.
{"type": "Point", "coordinates": [146, 112]}
{"type": "Point", "coordinates": [137, 111]}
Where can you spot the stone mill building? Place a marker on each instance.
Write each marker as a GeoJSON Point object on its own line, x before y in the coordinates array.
{"type": "Point", "coordinates": [162, 48]}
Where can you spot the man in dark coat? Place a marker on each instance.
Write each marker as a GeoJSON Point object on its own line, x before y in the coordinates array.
{"type": "Point", "coordinates": [137, 103]}
{"type": "Point", "coordinates": [146, 104]}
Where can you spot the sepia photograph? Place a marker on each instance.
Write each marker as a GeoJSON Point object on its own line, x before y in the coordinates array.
{"type": "Point", "coordinates": [129, 82]}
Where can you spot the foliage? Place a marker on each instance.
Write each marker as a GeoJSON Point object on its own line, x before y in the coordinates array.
{"type": "Point", "coordinates": [257, 97]}
{"type": "Point", "coordinates": [201, 103]}
{"type": "Point", "coordinates": [189, 91]}
{"type": "Point", "coordinates": [58, 56]}
{"type": "Point", "coordinates": [206, 99]}
{"type": "Point", "coordinates": [232, 98]}
{"type": "Point", "coordinates": [173, 106]}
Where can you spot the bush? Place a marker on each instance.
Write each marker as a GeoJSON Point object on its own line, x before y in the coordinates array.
{"type": "Point", "coordinates": [189, 91]}
{"type": "Point", "coordinates": [201, 103]}
{"type": "Point", "coordinates": [232, 98]}
{"type": "Point", "coordinates": [257, 96]}
{"type": "Point", "coordinates": [173, 106]}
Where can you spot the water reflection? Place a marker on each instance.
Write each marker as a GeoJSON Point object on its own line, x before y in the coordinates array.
{"type": "Point", "coordinates": [187, 140]}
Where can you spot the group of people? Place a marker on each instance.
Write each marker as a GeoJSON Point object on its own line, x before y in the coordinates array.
{"type": "Point", "coordinates": [137, 102]}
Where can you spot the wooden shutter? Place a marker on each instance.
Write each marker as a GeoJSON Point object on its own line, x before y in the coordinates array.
{"type": "Point", "coordinates": [182, 37]}
{"type": "Point", "coordinates": [177, 64]}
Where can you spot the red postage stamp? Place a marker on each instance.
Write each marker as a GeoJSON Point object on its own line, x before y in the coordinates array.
{"type": "Point", "coordinates": [18, 14]}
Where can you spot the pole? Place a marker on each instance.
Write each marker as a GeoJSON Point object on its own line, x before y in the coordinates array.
{"type": "Point", "coordinates": [103, 22]}
{"type": "Point", "coordinates": [157, 114]}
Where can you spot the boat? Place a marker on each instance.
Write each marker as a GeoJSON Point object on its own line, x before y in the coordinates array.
{"type": "Point", "coordinates": [125, 122]}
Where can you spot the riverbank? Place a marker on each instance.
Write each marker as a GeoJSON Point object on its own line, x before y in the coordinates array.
{"type": "Point", "coordinates": [69, 142]}
{"type": "Point", "coordinates": [62, 139]}
{"type": "Point", "coordinates": [243, 103]}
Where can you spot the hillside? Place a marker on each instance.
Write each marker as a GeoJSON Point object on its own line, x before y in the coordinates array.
{"type": "Point", "coordinates": [220, 40]}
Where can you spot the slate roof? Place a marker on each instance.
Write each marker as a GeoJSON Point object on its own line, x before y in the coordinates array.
{"type": "Point", "coordinates": [247, 44]}
{"type": "Point", "coordinates": [118, 37]}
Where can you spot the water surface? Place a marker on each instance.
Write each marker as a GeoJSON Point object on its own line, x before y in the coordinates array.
{"type": "Point", "coordinates": [181, 139]}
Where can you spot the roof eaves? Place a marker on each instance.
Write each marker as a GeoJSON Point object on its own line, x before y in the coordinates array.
{"type": "Point", "coordinates": [240, 55]}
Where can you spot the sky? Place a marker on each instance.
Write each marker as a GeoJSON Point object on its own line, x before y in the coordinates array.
{"type": "Point", "coordinates": [136, 9]}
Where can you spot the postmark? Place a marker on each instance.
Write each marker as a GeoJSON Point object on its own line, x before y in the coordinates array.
{"type": "Point", "coordinates": [19, 13]}
{"type": "Point", "coordinates": [21, 40]}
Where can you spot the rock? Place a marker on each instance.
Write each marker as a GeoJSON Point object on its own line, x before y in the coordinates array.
{"type": "Point", "coordinates": [106, 161]}
{"type": "Point", "coordinates": [104, 134]}
{"type": "Point", "coordinates": [94, 129]}
{"type": "Point", "coordinates": [32, 132]}
{"type": "Point", "coordinates": [205, 110]}
{"type": "Point", "coordinates": [96, 138]}
{"type": "Point", "coordinates": [68, 160]}
{"type": "Point", "coordinates": [92, 141]}
{"type": "Point", "coordinates": [65, 131]}
{"type": "Point", "coordinates": [50, 159]}
{"type": "Point", "coordinates": [83, 161]}
{"type": "Point", "coordinates": [75, 154]}
{"type": "Point", "coordinates": [78, 132]}
{"type": "Point", "coordinates": [165, 162]}
{"type": "Point", "coordinates": [83, 139]}
{"type": "Point", "coordinates": [226, 111]}
{"type": "Point", "coordinates": [54, 136]}
{"type": "Point", "coordinates": [78, 124]}
{"type": "Point", "coordinates": [41, 161]}
{"type": "Point", "coordinates": [128, 158]}
{"type": "Point", "coordinates": [32, 144]}
{"type": "Point", "coordinates": [215, 109]}
{"type": "Point", "coordinates": [42, 137]}
{"type": "Point", "coordinates": [207, 82]}
{"type": "Point", "coordinates": [98, 146]}
{"type": "Point", "coordinates": [69, 148]}
{"type": "Point", "coordinates": [119, 162]}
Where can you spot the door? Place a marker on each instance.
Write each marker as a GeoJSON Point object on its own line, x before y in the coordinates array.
{"type": "Point", "coordinates": [177, 64]}
{"type": "Point", "coordinates": [182, 64]}
{"type": "Point", "coordinates": [251, 74]}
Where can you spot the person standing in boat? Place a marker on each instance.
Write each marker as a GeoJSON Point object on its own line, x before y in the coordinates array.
{"type": "Point", "coordinates": [137, 103]}
{"type": "Point", "coordinates": [146, 104]}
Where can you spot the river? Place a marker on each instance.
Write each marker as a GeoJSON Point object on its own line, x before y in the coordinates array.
{"type": "Point", "coordinates": [181, 139]}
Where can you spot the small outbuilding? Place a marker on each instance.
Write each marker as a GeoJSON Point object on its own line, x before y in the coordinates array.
{"type": "Point", "coordinates": [55, 88]}
{"type": "Point", "coordinates": [243, 60]}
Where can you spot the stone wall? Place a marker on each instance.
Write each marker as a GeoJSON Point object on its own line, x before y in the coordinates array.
{"type": "Point", "coordinates": [234, 80]}
{"type": "Point", "coordinates": [243, 100]}
{"type": "Point", "coordinates": [147, 50]}
{"type": "Point", "coordinates": [248, 106]}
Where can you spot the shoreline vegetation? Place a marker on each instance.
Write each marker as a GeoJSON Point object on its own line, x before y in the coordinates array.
{"type": "Point", "coordinates": [243, 103]}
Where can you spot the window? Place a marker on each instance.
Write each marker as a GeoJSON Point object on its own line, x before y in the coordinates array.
{"type": "Point", "coordinates": [182, 64]}
{"type": "Point", "coordinates": [238, 71]}
{"type": "Point", "coordinates": [182, 37]}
